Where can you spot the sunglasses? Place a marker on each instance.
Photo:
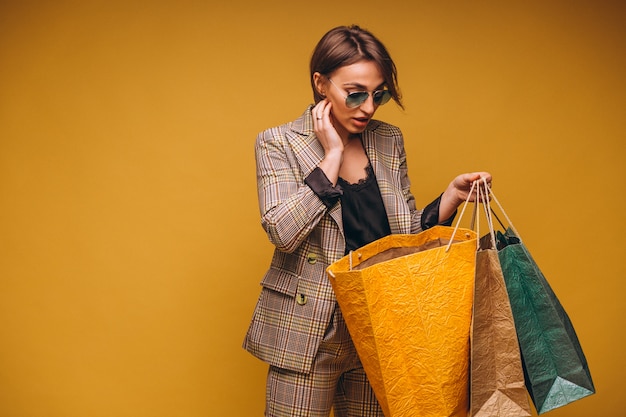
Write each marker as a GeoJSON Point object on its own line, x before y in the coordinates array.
{"type": "Point", "coordinates": [357, 98]}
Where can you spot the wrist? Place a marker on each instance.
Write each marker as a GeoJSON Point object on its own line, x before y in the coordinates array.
{"type": "Point", "coordinates": [450, 198]}
{"type": "Point", "coordinates": [331, 164]}
{"type": "Point", "coordinates": [449, 203]}
{"type": "Point", "coordinates": [333, 153]}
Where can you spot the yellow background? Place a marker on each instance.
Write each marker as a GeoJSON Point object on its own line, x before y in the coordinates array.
{"type": "Point", "coordinates": [130, 244]}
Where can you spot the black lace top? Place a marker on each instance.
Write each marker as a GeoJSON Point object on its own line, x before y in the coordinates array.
{"type": "Point", "coordinates": [364, 215]}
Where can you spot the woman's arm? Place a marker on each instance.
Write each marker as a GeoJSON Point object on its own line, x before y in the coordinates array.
{"type": "Point", "coordinates": [289, 208]}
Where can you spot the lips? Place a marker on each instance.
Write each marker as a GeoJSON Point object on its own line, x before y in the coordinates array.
{"type": "Point", "coordinates": [361, 120]}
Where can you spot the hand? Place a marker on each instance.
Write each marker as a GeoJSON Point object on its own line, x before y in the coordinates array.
{"type": "Point", "coordinates": [324, 129]}
{"type": "Point", "coordinates": [329, 138]}
{"type": "Point", "coordinates": [461, 185]}
{"type": "Point", "coordinates": [457, 192]}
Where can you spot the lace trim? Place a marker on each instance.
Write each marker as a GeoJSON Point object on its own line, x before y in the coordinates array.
{"type": "Point", "coordinates": [369, 176]}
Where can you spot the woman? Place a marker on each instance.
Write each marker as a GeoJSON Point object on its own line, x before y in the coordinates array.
{"type": "Point", "coordinates": [329, 182]}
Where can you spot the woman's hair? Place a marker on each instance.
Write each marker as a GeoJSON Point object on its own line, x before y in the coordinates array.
{"type": "Point", "coordinates": [346, 45]}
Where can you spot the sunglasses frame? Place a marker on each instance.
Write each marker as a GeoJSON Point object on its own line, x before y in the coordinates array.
{"type": "Point", "coordinates": [356, 98]}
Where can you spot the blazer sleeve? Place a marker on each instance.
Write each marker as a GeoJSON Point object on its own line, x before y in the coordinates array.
{"type": "Point", "coordinates": [416, 214]}
{"type": "Point", "coordinates": [290, 209]}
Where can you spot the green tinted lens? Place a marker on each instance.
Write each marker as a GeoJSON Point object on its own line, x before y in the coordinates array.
{"type": "Point", "coordinates": [355, 99]}
{"type": "Point", "coordinates": [381, 96]}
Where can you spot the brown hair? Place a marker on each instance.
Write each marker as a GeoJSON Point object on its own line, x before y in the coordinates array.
{"type": "Point", "coordinates": [346, 45]}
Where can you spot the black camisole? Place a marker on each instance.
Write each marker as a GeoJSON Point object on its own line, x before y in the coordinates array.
{"type": "Point", "coordinates": [363, 213]}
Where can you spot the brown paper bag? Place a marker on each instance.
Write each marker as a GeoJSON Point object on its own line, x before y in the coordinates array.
{"type": "Point", "coordinates": [497, 378]}
{"type": "Point", "coordinates": [496, 375]}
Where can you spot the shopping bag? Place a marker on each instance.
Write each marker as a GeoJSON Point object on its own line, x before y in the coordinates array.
{"type": "Point", "coordinates": [497, 379]}
{"type": "Point", "coordinates": [406, 300]}
{"type": "Point", "coordinates": [557, 372]}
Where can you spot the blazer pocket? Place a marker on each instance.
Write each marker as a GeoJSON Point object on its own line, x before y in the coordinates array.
{"type": "Point", "coordinates": [281, 281]}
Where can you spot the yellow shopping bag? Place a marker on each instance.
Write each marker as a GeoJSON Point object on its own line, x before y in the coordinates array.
{"type": "Point", "coordinates": [407, 302]}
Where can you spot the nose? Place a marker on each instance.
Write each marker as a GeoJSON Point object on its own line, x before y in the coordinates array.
{"type": "Point", "coordinates": [368, 106]}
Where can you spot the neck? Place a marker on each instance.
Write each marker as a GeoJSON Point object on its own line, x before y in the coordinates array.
{"type": "Point", "coordinates": [349, 139]}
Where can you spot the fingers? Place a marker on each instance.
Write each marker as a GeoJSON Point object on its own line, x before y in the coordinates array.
{"type": "Point", "coordinates": [464, 181]}
{"type": "Point", "coordinates": [475, 176]}
{"type": "Point", "coordinates": [479, 176]}
{"type": "Point", "coordinates": [324, 128]}
{"type": "Point", "coordinates": [321, 113]}
{"type": "Point", "coordinates": [483, 187]}
{"type": "Point", "coordinates": [467, 185]}
{"type": "Point", "coordinates": [486, 176]}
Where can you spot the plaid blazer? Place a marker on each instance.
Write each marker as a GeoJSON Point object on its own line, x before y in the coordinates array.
{"type": "Point", "coordinates": [296, 302]}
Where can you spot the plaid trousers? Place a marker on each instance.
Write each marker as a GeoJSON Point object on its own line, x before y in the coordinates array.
{"type": "Point", "coordinates": [337, 380]}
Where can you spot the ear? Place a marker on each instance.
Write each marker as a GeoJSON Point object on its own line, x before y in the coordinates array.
{"type": "Point", "coordinates": [320, 83]}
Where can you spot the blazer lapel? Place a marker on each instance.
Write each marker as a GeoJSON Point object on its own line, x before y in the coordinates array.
{"type": "Point", "coordinates": [306, 147]}
{"type": "Point", "coordinates": [309, 152]}
{"type": "Point", "coordinates": [384, 158]}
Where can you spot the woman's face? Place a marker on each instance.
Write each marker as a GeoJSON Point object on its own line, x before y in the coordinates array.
{"type": "Point", "coordinates": [357, 77]}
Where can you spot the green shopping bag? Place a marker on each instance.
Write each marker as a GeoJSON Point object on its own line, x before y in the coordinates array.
{"type": "Point", "coordinates": [555, 367]}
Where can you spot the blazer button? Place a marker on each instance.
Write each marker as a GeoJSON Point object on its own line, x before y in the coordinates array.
{"type": "Point", "coordinates": [301, 299]}
{"type": "Point", "coordinates": [311, 258]}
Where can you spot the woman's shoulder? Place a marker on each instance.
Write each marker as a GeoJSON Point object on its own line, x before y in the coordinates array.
{"type": "Point", "coordinates": [300, 125]}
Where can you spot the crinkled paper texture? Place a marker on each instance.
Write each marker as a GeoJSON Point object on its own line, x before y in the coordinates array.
{"type": "Point", "coordinates": [556, 368]}
{"type": "Point", "coordinates": [497, 378]}
{"type": "Point", "coordinates": [409, 317]}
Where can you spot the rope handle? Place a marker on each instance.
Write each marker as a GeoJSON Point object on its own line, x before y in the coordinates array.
{"type": "Point", "coordinates": [483, 194]}
{"type": "Point", "coordinates": [505, 216]}
{"type": "Point", "coordinates": [488, 211]}
{"type": "Point", "coordinates": [469, 194]}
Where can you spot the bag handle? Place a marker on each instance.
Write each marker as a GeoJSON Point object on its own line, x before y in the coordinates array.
{"type": "Point", "coordinates": [490, 213]}
{"type": "Point", "coordinates": [505, 216]}
{"type": "Point", "coordinates": [484, 194]}
{"type": "Point", "coordinates": [458, 222]}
